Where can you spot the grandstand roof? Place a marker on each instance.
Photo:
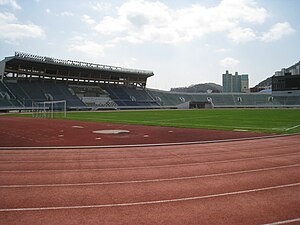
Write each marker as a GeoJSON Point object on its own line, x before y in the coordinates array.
{"type": "Point", "coordinates": [51, 67]}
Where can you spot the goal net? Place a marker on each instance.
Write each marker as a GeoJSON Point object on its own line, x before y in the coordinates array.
{"type": "Point", "coordinates": [49, 109]}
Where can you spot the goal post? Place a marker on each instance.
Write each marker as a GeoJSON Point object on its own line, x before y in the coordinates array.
{"type": "Point", "coordinates": [49, 109]}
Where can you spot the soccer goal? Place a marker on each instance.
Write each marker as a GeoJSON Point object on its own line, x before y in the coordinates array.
{"type": "Point", "coordinates": [49, 109]}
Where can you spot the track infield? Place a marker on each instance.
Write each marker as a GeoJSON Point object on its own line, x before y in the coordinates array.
{"type": "Point", "coordinates": [34, 132]}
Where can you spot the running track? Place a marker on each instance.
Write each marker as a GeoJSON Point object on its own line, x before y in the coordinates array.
{"type": "Point", "coordinates": [240, 182]}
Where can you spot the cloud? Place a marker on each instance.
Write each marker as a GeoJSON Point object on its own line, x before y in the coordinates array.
{"type": "Point", "coordinates": [242, 35]}
{"type": "Point", "coordinates": [87, 19]}
{"type": "Point", "coordinates": [87, 47]}
{"type": "Point", "coordinates": [222, 50]}
{"type": "Point", "coordinates": [11, 30]}
{"type": "Point", "coordinates": [229, 62]}
{"type": "Point", "coordinates": [142, 20]}
{"type": "Point", "coordinates": [278, 31]}
{"type": "Point", "coordinates": [66, 13]}
{"type": "Point", "coordinates": [100, 6]}
{"type": "Point", "coordinates": [11, 3]}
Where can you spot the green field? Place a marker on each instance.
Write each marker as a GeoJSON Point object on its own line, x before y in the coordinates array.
{"type": "Point", "coordinates": [280, 121]}
{"type": "Point", "coordinates": [262, 120]}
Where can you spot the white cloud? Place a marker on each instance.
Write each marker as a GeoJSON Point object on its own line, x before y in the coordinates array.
{"type": "Point", "coordinates": [11, 30]}
{"type": "Point", "coordinates": [87, 19]}
{"type": "Point", "coordinates": [221, 50]}
{"type": "Point", "coordinates": [139, 21]}
{"type": "Point", "coordinates": [242, 35]}
{"type": "Point", "coordinates": [87, 47]}
{"type": "Point", "coordinates": [66, 13]}
{"type": "Point", "coordinates": [245, 10]}
{"type": "Point", "coordinates": [163, 24]}
{"type": "Point", "coordinates": [229, 62]}
{"type": "Point", "coordinates": [100, 6]}
{"type": "Point", "coordinates": [11, 3]}
{"type": "Point", "coordinates": [144, 20]}
{"type": "Point", "coordinates": [278, 31]}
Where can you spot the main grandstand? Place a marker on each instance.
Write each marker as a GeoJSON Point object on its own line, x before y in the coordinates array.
{"type": "Point", "coordinates": [27, 79]}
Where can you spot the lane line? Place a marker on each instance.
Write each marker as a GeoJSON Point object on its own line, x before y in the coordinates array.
{"type": "Point", "coordinates": [147, 167]}
{"type": "Point", "coordinates": [152, 202]}
{"type": "Point", "coordinates": [32, 148]}
{"type": "Point", "coordinates": [151, 180]}
{"type": "Point", "coordinates": [283, 222]}
{"type": "Point", "coordinates": [172, 155]}
{"type": "Point", "coordinates": [125, 148]}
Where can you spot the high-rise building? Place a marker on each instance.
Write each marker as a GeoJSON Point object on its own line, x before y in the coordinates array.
{"type": "Point", "coordinates": [235, 83]}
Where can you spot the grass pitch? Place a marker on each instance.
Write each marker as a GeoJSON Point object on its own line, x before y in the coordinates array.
{"type": "Point", "coordinates": [279, 121]}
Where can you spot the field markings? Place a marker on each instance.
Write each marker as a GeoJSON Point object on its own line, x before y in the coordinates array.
{"type": "Point", "coordinates": [283, 222]}
{"type": "Point", "coordinates": [152, 180]}
{"type": "Point", "coordinates": [186, 125]}
{"type": "Point", "coordinates": [148, 167]}
{"type": "Point", "coordinates": [291, 128]}
{"type": "Point", "coordinates": [154, 201]}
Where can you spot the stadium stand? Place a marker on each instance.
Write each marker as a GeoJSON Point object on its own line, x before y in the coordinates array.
{"type": "Point", "coordinates": [225, 100]}
{"type": "Point", "coordinates": [37, 91]}
{"type": "Point", "coordinates": [26, 79]}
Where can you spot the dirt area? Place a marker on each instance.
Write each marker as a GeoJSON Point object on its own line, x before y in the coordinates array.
{"type": "Point", "coordinates": [23, 132]}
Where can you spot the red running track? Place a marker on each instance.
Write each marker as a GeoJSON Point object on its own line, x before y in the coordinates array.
{"type": "Point", "coordinates": [241, 182]}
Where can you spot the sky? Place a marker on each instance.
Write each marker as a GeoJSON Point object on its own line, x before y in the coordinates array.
{"type": "Point", "coordinates": [183, 42]}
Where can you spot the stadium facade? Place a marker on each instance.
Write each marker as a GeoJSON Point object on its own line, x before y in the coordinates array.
{"type": "Point", "coordinates": [27, 79]}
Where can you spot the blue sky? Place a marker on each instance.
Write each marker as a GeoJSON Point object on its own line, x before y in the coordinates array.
{"type": "Point", "coordinates": [182, 42]}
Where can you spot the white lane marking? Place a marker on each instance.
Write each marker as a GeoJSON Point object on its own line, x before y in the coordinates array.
{"type": "Point", "coordinates": [133, 158]}
{"type": "Point", "coordinates": [147, 167]}
{"type": "Point", "coordinates": [33, 148]}
{"type": "Point", "coordinates": [291, 128]}
{"type": "Point", "coordinates": [283, 222]}
{"type": "Point", "coordinates": [128, 158]}
{"type": "Point", "coordinates": [152, 202]}
{"type": "Point", "coordinates": [151, 180]}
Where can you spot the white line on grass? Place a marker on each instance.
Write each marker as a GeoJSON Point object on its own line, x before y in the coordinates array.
{"type": "Point", "coordinates": [147, 167]}
{"type": "Point", "coordinates": [187, 125]}
{"type": "Point", "coordinates": [153, 202]}
{"type": "Point", "coordinates": [291, 128]}
{"type": "Point", "coordinates": [152, 180]}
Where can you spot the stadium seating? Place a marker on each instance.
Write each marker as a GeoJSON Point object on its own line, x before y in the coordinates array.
{"type": "Point", "coordinates": [129, 96]}
{"type": "Point", "coordinates": [36, 91]}
{"type": "Point", "coordinates": [7, 99]}
{"type": "Point", "coordinates": [22, 93]}
{"type": "Point", "coordinates": [167, 98]}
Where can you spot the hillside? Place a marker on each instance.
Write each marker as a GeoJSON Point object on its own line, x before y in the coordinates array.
{"type": "Point", "coordinates": [200, 88]}
{"type": "Point", "coordinates": [265, 83]}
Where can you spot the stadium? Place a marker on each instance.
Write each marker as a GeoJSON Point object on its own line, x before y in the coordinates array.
{"type": "Point", "coordinates": [27, 79]}
{"type": "Point", "coordinates": [86, 143]}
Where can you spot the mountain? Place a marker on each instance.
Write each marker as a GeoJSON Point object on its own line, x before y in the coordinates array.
{"type": "Point", "coordinates": [200, 88]}
{"type": "Point", "coordinates": [265, 83]}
